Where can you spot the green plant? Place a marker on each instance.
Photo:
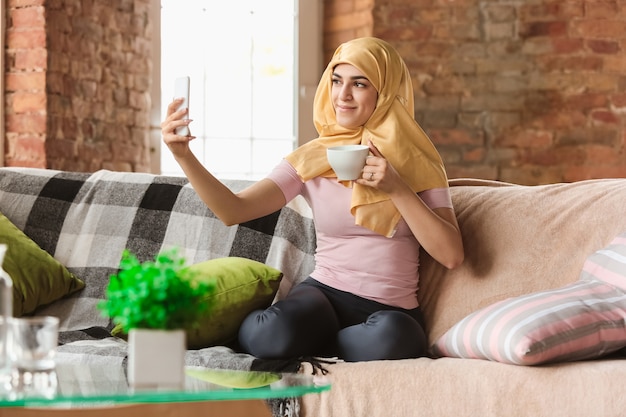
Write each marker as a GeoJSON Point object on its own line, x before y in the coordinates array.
{"type": "Point", "coordinates": [159, 294]}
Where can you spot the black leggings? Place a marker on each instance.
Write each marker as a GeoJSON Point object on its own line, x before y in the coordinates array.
{"type": "Point", "coordinates": [317, 320]}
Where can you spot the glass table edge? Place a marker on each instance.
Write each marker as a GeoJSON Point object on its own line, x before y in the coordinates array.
{"type": "Point", "coordinates": [161, 397]}
{"type": "Point", "coordinates": [146, 396]}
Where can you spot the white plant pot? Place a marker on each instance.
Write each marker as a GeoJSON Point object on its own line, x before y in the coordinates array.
{"type": "Point", "coordinates": [156, 358]}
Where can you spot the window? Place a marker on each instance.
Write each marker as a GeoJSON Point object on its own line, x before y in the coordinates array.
{"type": "Point", "coordinates": [246, 92]}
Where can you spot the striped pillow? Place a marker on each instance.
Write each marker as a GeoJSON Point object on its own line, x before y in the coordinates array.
{"type": "Point", "coordinates": [583, 320]}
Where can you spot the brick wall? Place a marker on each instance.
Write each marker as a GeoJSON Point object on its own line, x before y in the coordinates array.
{"type": "Point", "coordinates": [345, 20]}
{"type": "Point", "coordinates": [78, 75]}
{"type": "Point", "coordinates": [530, 91]}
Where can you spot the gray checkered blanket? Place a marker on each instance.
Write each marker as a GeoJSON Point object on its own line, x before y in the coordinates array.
{"type": "Point", "coordinates": [86, 220]}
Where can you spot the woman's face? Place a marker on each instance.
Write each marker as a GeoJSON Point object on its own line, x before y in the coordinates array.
{"type": "Point", "coordinates": [354, 97]}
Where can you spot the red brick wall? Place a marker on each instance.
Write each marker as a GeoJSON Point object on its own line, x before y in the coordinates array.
{"type": "Point", "coordinates": [77, 84]}
{"type": "Point", "coordinates": [527, 91]}
{"type": "Point", "coordinates": [25, 83]}
{"type": "Point", "coordinates": [345, 20]}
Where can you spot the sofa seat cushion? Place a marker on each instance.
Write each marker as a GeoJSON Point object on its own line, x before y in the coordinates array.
{"type": "Point", "coordinates": [583, 320]}
{"type": "Point", "coordinates": [38, 278]}
{"type": "Point", "coordinates": [470, 388]}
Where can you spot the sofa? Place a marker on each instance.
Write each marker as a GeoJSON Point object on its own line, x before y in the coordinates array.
{"type": "Point", "coordinates": [519, 241]}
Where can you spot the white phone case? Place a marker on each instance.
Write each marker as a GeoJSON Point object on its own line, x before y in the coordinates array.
{"type": "Point", "coordinates": [181, 89]}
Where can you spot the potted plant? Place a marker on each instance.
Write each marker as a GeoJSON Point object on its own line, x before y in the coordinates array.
{"type": "Point", "coordinates": [154, 302]}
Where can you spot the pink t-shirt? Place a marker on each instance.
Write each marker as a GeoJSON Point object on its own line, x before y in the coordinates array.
{"type": "Point", "coordinates": [352, 258]}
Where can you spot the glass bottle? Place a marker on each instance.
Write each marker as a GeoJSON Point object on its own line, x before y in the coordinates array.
{"type": "Point", "coordinates": [6, 312]}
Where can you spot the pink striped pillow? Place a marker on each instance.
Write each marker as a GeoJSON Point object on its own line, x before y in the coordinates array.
{"type": "Point", "coordinates": [583, 320]}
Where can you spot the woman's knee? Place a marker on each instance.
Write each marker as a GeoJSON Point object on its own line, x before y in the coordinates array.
{"type": "Point", "coordinates": [258, 334]}
{"type": "Point", "coordinates": [387, 334]}
{"type": "Point", "coordinates": [301, 324]}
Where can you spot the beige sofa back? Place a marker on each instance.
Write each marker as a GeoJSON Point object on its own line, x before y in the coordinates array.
{"type": "Point", "coordinates": [518, 240]}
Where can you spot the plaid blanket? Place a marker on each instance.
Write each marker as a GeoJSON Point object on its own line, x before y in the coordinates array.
{"type": "Point", "coordinates": [86, 220]}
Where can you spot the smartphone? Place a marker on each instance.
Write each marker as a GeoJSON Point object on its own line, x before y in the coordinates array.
{"type": "Point", "coordinates": [181, 89]}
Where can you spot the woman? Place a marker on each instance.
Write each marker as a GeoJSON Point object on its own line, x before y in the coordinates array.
{"type": "Point", "coordinates": [360, 302]}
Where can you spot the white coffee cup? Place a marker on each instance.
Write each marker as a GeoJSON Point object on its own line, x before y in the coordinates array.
{"type": "Point", "coordinates": [347, 160]}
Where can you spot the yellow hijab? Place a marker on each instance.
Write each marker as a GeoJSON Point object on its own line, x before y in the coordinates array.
{"type": "Point", "coordinates": [391, 127]}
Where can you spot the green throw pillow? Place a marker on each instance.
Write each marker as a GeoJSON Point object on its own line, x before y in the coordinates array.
{"type": "Point", "coordinates": [38, 278]}
{"type": "Point", "coordinates": [242, 286]}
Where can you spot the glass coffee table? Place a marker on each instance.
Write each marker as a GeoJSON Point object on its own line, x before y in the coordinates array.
{"type": "Point", "coordinates": [87, 390]}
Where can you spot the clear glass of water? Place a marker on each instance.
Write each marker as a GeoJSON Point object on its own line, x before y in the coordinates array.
{"type": "Point", "coordinates": [32, 350]}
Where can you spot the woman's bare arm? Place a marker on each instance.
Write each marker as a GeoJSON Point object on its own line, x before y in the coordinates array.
{"type": "Point", "coordinates": [436, 230]}
{"type": "Point", "coordinates": [261, 198]}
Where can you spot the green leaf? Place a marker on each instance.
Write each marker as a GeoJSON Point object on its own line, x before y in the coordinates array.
{"type": "Point", "coordinates": [156, 294]}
